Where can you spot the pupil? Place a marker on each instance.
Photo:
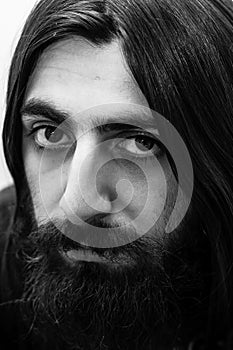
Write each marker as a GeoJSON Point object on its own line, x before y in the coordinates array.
{"type": "Point", "coordinates": [144, 143]}
{"type": "Point", "coordinates": [53, 134]}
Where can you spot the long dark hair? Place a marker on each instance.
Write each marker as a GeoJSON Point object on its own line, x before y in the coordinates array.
{"type": "Point", "coordinates": [181, 55]}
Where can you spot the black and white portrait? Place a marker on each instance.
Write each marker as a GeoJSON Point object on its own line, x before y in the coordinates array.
{"type": "Point", "coordinates": [116, 201]}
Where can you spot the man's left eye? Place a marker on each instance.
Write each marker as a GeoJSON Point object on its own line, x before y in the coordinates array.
{"type": "Point", "coordinates": [140, 145]}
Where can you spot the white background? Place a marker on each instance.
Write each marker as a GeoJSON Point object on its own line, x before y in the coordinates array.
{"type": "Point", "coordinates": [13, 14]}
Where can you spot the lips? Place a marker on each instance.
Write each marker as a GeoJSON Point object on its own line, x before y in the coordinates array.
{"type": "Point", "coordinates": [73, 256]}
{"type": "Point", "coordinates": [82, 255]}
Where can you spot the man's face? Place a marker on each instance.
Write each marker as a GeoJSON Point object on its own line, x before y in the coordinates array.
{"type": "Point", "coordinates": [113, 168]}
{"type": "Point", "coordinates": [97, 168]}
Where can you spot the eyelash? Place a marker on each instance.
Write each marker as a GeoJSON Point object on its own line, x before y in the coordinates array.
{"type": "Point", "coordinates": [127, 135]}
{"type": "Point", "coordinates": [131, 135]}
{"type": "Point", "coordinates": [37, 128]}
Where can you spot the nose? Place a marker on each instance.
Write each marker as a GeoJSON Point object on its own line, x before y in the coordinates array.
{"type": "Point", "coordinates": [90, 182]}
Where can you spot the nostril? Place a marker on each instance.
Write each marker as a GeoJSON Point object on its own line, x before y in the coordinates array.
{"type": "Point", "coordinates": [113, 195]}
{"type": "Point", "coordinates": [109, 194]}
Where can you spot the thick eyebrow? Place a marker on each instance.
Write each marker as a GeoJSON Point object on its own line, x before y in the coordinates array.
{"type": "Point", "coordinates": [37, 107]}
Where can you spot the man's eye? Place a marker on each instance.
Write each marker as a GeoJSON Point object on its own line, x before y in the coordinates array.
{"type": "Point", "coordinates": [141, 145]}
{"type": "Point", "coordinates": [51, 137]}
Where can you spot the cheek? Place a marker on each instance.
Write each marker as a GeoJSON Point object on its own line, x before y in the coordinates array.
{"type": "Point", "coordinates": [151, 189]}
{"type": "Point", "coordinates": [44, 182]}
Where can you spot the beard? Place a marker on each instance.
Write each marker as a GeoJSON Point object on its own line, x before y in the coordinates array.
{"type": "Point", "coordinates": [156, 301]}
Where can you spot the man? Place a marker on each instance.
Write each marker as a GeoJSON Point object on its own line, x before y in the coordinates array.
{"type": "Point", "coordinates": [103, 246]}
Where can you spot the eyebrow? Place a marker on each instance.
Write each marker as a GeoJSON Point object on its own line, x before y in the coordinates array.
{"type": "Point", "coordinates": [37, 108]}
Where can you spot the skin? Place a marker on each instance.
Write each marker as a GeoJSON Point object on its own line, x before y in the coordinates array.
{"type": "Point", "coordinates": [86, 82]}
{"type": "Point", "coordinates": [108, 179]}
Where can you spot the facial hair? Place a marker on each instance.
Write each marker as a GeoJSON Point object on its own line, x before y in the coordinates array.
{"type": "Point", "coordinates": [158, 301]}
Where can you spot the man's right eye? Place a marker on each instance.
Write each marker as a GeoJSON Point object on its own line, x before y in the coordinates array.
{"type": "Point", "coordinates": [51, 137]}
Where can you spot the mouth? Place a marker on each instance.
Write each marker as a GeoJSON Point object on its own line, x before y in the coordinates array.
{"type": "Point", "coordinates": [74, 256]}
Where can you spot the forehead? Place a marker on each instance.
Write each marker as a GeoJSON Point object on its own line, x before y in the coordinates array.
{"type": "Point", "coordinates": [76, 75]}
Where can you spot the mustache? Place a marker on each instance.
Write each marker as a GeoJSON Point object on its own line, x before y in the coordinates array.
{"type": "Point", "coordinates": [48, 238]}
{"type": "Point", "coordinates": [99, 220]}
{"type": "Point", "coordinates": [100, 231]}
